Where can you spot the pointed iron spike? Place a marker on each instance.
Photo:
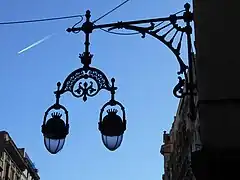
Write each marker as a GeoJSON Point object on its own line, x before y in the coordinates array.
{"type": "Point", "coordinates": [187, 6]}
{"type": "Point", "coordinates": [58, 85]}
{"type": "Point", "coordinates": [113, 80]}
{"type": "Point", "coordinates": [88, 14]}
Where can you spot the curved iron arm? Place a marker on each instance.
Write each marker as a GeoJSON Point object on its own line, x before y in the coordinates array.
{"type": "Point", "coordinates": [57, 106]}
{"type": "Point", "coordinates": [150, 30]}
{"type": "Point", "coordinates": [178, 89]}
{"type": "Point", "coordinates": [113, 102]}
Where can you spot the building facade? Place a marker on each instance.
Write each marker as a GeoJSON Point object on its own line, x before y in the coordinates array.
{"type": "Point", "coordinates": [180, 142]}
{"type": "Point", "coordinates": [15, 164]}
{"type": "Point", "coordinates": [178, 145]}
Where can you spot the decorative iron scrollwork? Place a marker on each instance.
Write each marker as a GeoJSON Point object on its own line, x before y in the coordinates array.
{"type": "Point", "coordinates": [170, 32]}
{"type": "Point", "coordinates": [178, 89]}
{"type": "Point", "coordinates": [80, 85]}
{"type": "Point", "coordinates": [85, 90]}
{"type": "Point", "coordinates": [167, 31]}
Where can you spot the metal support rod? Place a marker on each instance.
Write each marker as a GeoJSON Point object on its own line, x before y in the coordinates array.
{"type": "Point", "coordinates": [190, 85]}
{"type": "Point", "coordinates": [144, 21]}
{"type": "Point", "coordinates": [87, 29]}
{"type": "Point", "coordinates": [58, 94]}
{"type": "Point", "coordinates": [136, 22]}
{"type": "Point", "coordinates": [87, 42]}
{"type": "Point", "coordinates": [113, 88]}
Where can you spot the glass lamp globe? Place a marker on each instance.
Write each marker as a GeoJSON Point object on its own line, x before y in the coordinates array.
{"type": "Point", "coordinates": [112, 142]}
{"type": "Point", "coordinates": [55, 132]}
{"type": "Point", "coordinates": [112, 128]}
{"type": "Point", "coordinates": [54, 145]}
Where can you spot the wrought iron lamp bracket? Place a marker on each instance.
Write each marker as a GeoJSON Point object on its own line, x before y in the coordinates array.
{"type": "Point", "coordinates": [168, 30]}
{"type": "Point", "coordinates": [166, 27]}
{"type": "Point", "coordinates": [154, 33]}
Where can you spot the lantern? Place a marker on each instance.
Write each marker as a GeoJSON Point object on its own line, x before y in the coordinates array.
{"type": "Point", "coordinates": [55, 131]}
{"type": "Point", "coordinates": [112, 128]}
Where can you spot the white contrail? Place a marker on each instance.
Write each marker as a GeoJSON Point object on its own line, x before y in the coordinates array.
{"type": "Point", "coordinates": [35, 44]}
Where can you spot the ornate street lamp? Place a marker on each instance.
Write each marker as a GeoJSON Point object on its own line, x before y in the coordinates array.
{"type": "Point", "coordinates": [112, 126]}
{"type": "Point", "coordinates": [55, 129]}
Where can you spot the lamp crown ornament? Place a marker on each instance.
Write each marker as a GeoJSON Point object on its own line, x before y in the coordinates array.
{"type": "Point", "coordinates": [112, 111]}
{"type": "Point", "coordinates": [56, 115]}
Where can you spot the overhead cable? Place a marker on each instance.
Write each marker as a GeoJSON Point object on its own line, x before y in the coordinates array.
{"type": "Point", "coordinates": [110, 11]}
{"type": "Point", "coordinates": [40, 20]}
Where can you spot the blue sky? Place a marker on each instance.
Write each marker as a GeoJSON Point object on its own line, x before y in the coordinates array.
{"type": "Point", "coordinates": [145, 73]}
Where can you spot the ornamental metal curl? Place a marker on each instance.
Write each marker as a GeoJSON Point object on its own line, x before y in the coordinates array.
{"type": "Point", "coordinates": [178, 89]}
{"type": "Point", "coordinates": [166, 31]}
{"type": "Point", "coordinates": [77, 82]}
{"type": "Point", "coordinates": [155, 32]}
